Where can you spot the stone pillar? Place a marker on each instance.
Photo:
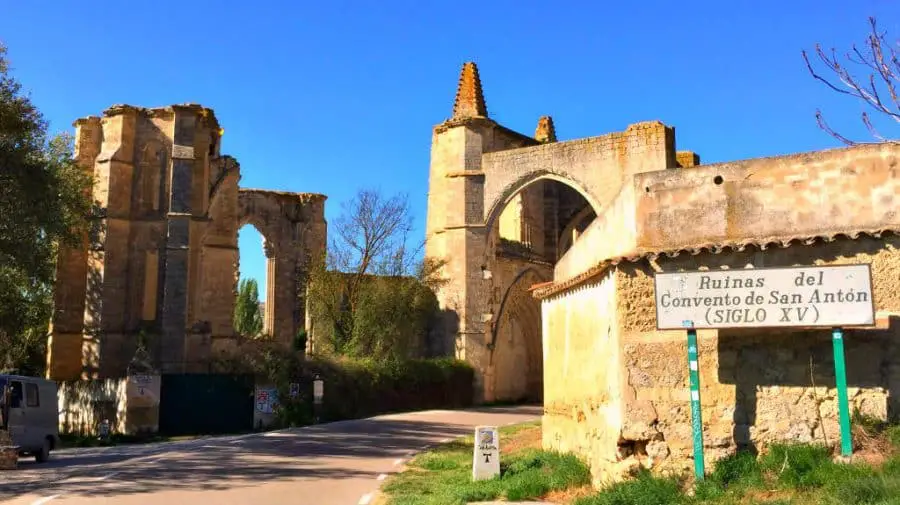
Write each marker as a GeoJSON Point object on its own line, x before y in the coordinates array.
{"type": "Point", "coordinates": [282, 290]}
{"type": "Point", "coordinates": [108, 250]}
{"type": "Point", "coordinates": [269, 316]}
{"type": "Point", "coordinates": [178, 240]}
{"type": "Point", "coordinates": [315, 235]}
{"type": "Point", "coordinates": [64, 346]}
{"type": "Point", "coordinates": [456, 234]}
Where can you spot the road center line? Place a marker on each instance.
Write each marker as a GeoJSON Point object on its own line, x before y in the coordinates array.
{"type": "Point", "coordinates": [109, 475]}
{"type": "Point", "coordinates": [365, 499]}
{"type": "Point", "coordinates": [44, 500]}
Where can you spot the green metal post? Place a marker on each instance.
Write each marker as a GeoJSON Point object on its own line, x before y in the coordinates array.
{"type": "Point", "coordinates": [696, 418]}
{"type": "Point", "coordinates": [840, 375]}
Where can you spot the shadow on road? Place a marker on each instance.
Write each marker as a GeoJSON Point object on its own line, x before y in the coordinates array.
{"type": "Point", "coordinates": [335, 451]}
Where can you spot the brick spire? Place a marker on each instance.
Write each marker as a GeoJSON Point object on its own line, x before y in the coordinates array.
{"type": "Point", "coordinates": [545, 131]}
{"type": "Point", "coordinates": [469, 97]}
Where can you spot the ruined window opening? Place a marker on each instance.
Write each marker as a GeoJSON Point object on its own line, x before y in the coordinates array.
{"type": "Point", "coordinates": [255, 261]}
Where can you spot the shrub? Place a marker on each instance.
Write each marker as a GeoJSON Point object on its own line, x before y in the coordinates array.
{"type": "Point", "coordinates": [358, 388]}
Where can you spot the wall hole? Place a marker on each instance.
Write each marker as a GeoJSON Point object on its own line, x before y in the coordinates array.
{"type": "Point", "coordinates": [718, 179]}
{"type": "Point", "coordinates": [253, 265]}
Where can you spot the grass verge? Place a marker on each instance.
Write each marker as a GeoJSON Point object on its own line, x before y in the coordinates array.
{"type": "Point", "coordinates": [795, 474]}
{"type": "Point", "coordinates": [443, 476]}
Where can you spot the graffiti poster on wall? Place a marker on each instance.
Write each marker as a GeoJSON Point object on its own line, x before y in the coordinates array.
{"type": "Point", "coordinates": [266, 400]}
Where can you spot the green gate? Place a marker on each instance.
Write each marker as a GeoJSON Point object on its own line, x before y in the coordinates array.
{"type": "Point", "coordinates": [197, 404]}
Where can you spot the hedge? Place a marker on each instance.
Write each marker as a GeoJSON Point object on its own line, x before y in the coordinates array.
{"type": "Point", "coordinates": [355, 389]}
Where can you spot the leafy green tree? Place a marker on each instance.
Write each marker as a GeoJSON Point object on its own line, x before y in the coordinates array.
{"type": "Point", "coordinates": [247, 316]}
{"type": "Point", "coordinates": [44, 203]}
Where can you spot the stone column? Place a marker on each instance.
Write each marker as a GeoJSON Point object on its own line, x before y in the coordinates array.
{"type": "Point", "coordinates": [64, 345]}
{"type": "Point", "coordinates": [178, 239]}
{"type": "Point", "coordinates": [269, 316]}
{"type": "Point", "coordinates": [108, 255]}
{"type": "Point", "coordinates": [315, 237]}
{"type": "Point", "coordinates": [282, 289]}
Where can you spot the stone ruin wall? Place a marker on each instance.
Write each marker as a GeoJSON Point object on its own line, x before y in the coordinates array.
{"type": "Point", "coordinates": [161, 256]}
{"type": "Point", "coordinates": [757, 385]}
{"type": "Point", "coordinates": [616, 389]}
{"type": "Point", "coordinates": [480, 173]}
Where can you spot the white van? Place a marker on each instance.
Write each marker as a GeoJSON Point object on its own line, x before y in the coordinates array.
{"type": "Point", "coordinates": [30, 411]}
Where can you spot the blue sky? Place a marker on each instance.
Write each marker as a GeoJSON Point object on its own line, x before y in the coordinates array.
{"type": "Point", "coordinates": [330, 97]}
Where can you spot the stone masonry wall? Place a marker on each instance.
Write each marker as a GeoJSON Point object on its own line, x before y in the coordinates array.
{"type": "Point", "coordinates": [582, 373]}
{"type": "Point", "coordinates": [161, 256]}
{"type": "Point", "coordinates": [757, 385]}
{"type": "Point", "coordinates": [596, 166]}
{"type": "Point", "coordinates": [831, 191]}
{"type": "Point", "coordinates": [594, 245]}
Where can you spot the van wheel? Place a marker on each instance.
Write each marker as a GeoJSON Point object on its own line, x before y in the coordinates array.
{"type": "Point", "coordinates": [44, 454]}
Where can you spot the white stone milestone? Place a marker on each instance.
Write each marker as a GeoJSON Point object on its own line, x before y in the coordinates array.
{"type": "Point", "coordinates": [486, 459]}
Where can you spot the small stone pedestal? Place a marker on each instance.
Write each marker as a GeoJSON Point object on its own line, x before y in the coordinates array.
{"type": "Point", "coordinates": [9, 457]}
{"type": "Point", "coordinates": [9, 454]}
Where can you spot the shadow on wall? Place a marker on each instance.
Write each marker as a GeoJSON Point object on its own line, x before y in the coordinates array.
{"type": "Point", "coordinates": [785, 381]}
{"type": "Point", "coordinates": [84, 404]}
{"type": "Point", "coordinates": [784, 378]}
{"type": "Point", "coordinates": [443, 340]}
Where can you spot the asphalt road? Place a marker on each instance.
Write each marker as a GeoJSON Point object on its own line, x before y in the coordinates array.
{"type": "Point", "coordinates": [332, 464]}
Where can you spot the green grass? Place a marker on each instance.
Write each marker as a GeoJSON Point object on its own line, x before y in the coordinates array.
{"type": "Point", "coordinates": [443, 476]}
{"type": "Point", "coordinates": [795, 474]}
{"type": "Point", "coordinates": [644, 489]}
{"type": "Point", "coordinates": [785, 474]}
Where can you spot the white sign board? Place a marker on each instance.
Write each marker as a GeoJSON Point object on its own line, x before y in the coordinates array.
{"type": "Point", "coordinates": [486, 460]}
{"type": "Point", "coordinates": [832, 296]}
{"type": "Point", "coordinates": [143, 390]}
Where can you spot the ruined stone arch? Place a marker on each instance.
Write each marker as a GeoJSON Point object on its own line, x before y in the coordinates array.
{"type": "Point", "coordinates": [514, 364]}
{"type": "Point", "coordinates": [499, 190]}
{"type": "Point", "coordinates": [515, 361]}
{"type": "Point", "coordinates": [165, 266]}
{"type": "Point", "coordinates": [292, 226]}
{"type": "Point", "coordinates": [478, 166]}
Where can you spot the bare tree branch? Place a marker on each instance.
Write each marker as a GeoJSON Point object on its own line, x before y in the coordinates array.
{"type": "Point", "coordinates": [881, 58]}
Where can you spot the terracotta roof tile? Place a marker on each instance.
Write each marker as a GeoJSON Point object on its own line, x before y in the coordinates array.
{"type": "Point", "coordinates": [641, 253]}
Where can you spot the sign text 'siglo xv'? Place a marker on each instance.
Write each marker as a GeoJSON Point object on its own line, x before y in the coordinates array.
{"type": "Point", "coordinates": [822, 296]}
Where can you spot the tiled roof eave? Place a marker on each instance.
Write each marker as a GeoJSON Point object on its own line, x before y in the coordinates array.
{"type": "Point", "coordinates": [762, 244]}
